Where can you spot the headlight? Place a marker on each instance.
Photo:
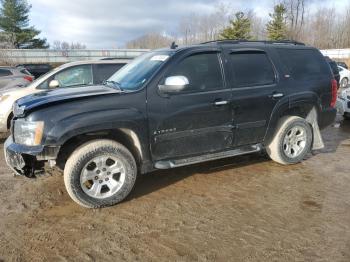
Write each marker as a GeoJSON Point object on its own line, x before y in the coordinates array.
{"type": "Point", "coordinates": [3, 97]}
{"type": "Point", "coordinates": [28, 133]}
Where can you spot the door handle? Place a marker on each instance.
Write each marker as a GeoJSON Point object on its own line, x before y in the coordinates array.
{"type": "Point", "coordinates": [220, 103]}
{"type": "Point", "coordinates": [277, 95]}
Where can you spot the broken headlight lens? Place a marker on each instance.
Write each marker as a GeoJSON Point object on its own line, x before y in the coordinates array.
{"type": "Point", "coordinates": [28, 133]}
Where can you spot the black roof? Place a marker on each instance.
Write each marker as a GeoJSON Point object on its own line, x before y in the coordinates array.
{"type": "Point", "coordinates": [282, 43]}
{"type": "Point", "coordinates": [232, 41]}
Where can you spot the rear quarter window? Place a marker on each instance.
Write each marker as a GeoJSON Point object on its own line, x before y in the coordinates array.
{"type": "Point", "coordinates": [304, 64]}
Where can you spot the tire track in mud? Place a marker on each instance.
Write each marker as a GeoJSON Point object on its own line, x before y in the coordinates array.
{"type": "Point", "coordinates": [244, 209]}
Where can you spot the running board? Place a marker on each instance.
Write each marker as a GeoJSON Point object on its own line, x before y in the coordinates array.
{"type": "Point", "coordinates": [166, 164]}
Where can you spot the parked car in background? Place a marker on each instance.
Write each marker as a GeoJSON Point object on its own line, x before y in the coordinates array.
{"type": "Point", "coordinates": [11, 77]}
{"type": "Point", "coordinates": [343, 103]}
{"type": "Point", "coordinates": [175, 107]}
{"type": "Point", "coordinates": [335, 69]}
{"type": "Point", "coordinates": [344, 77]}
{"type": "Point", "coordinates": [84, 73]}
{"type": "Point", "coordinates": [342, 64]}
{"type": "Point", "coordinates": [37, 70]}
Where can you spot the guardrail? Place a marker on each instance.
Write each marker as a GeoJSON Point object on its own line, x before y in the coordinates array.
{"type": "Point", "coordinates": [22, 56]}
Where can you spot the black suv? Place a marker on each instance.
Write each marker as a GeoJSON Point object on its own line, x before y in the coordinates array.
{"type": "Point", "coordinates": [175, 107]}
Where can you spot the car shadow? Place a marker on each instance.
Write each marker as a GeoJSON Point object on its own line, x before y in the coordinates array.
{"type": "Point", "coordinates": [333, 137]}
{"type": "Point", "coordinates": [157, 180]}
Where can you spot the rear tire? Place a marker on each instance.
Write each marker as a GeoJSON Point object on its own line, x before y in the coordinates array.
{"type": "Point", "coordinates": [292, 141]}
{"type": "Point", "coordinates": [100, 173]}
{"type": "Point", "coordinates": [344, 83]}
{"type": "Point", "coordinates": [346, 116]}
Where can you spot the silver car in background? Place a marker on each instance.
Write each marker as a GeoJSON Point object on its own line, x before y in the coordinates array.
{"type": "Point", "coordinates": [11, 77]}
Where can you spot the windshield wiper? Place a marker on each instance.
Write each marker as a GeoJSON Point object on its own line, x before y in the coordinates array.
{"type": "Point", "coordinates": [115, 84]}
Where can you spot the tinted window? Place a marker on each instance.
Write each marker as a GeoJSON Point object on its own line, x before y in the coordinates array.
{"type": "Point", "coordinates": [5, 72]}
{"type": "Point", "coordinates": [104, 71]}
{"type": "Point", "coordinates": [203, 72]}
{"type": "Point", "coordinates": [252, 69]}
{"type": "Point", "coordinates": [304, 64]}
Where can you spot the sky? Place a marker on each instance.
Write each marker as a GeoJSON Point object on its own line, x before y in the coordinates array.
{"type": "Point", "coordinates": [103, 24]}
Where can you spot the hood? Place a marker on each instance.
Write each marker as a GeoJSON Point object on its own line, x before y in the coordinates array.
{"type": "Point", "coordinates": [6, 90]}
{"type": "Point", "coordinates": [59, 95]}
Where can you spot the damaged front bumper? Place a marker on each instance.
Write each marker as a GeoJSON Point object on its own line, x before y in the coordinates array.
{"type": "Point", "coordinates": [28, 161]}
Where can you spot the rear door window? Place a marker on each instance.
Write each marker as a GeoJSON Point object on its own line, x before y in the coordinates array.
{"type": "Point", "coordinates": [104, 71]}
{"type": "Point", "coordinates": [304, 64]}
{"type": "Point", "coordinates": [5, 72]}
{"type": "Point", "coordinates": [252, 69]}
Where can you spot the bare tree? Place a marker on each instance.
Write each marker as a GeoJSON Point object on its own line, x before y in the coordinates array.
{"type": "Point", "coordinates": [150, 41]}
{"type": "Point", "coordinates": [295, 17]}
{"type": "Point", "coordinates": [258, 30]}
{"type": "Point", "coordinates": [58, 45]}
{"type": "Point", "coordinates": [196, 28]}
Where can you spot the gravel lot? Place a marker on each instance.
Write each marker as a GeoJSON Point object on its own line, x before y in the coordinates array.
{"type": "Point", "coordinates": [239, 209]}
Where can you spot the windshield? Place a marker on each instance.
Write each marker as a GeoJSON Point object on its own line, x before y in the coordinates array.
{"type": "Point", "coordinates": [134, 75]}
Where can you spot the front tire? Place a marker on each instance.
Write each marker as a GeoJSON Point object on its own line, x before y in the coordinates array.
{"type": "Point", "coordinates": [100, 173]}
{"type": "Point", "coordinates": [292, 141]}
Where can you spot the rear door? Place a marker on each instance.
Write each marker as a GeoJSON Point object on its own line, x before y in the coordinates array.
{"type": "Point", "coordinates": [255, 92]}
{"type": "Point", "coordinates": [104, 71]}
{"type": "Point", "coordinates": [197, 120]}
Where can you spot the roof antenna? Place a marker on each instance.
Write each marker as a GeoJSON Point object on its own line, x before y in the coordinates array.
{"type": "Point", "coordinates": [173, 45]}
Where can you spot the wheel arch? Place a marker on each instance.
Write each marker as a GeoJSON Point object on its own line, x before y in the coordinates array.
{"type": "Point", "coordinates": [305, 108]}
{"type": "Point", "coordinates": [125, 136]}
{"type": "Point", "coordinates": [9, 119]}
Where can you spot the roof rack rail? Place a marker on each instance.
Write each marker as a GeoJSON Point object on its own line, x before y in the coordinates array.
{"type": "Point", "coordinates": [235, 41]}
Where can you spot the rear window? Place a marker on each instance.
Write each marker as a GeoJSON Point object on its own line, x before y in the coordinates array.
{"type": "Point", "coordinates": [5, 72]}
{"type": "Point", "coordinates": [252, 69]}
{"type": "Point", "coordinates": [304, 64]}
{"type": "Point", "coordinates": [104, 71]}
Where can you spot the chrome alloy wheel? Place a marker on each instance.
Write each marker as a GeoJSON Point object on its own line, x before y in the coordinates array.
{"type": "Point", "coordinates": [102, 177]}
{"type": "Point", "coordinates": [294, 141]}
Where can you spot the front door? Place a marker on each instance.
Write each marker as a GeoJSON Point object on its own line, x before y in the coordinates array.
{"type": "Point", "coordinates": [198, 119]}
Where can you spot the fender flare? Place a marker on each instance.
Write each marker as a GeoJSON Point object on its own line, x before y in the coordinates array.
{"type": "Point", "coordinates": [308, 101]}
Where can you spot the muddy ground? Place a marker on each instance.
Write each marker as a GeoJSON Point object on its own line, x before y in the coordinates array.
{"type": "Point", "coordinates": [239, 209]}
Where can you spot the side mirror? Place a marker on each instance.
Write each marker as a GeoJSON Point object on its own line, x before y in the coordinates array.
{"type": "Point", "coordinates": [54, 84]}
{"type": "Point", "coordinates": [174, 84]}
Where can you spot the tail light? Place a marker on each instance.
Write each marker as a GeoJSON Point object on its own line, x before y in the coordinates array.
{"type": "Point", "coordinates": [334, 92]}
{"type": "Point", "coordinates": [28, 78]}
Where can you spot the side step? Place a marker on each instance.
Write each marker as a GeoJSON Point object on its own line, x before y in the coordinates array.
{"type": "Point", "coordinates": [166, 164]}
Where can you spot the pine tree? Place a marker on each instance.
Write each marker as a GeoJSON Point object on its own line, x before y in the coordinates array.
{"type": "Point", "coordinates": [14, 21]}
{"type": "Point", "coordinates": [277, 28]}
{"type": "Point", "coordinates": [239, 28]}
